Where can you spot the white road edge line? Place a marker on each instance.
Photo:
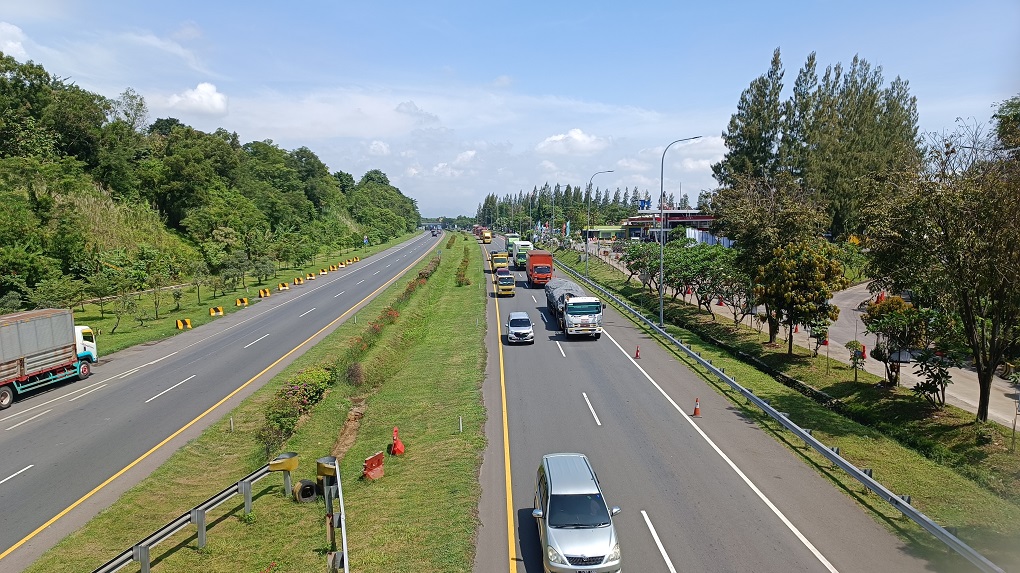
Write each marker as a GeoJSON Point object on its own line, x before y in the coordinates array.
{"type": "Point", "coordinates": [655, 536]}
{"type": "Point", "coordinates": [596, 416]}
{"type": "Point", "coordinates": [44, 404]}
{"type": "Point", "coordinates": [818, 555]}
{"type": "Point", "coordinates": [561, 349]}
{"type": "Point", "coordinates": [265, 335]}
{"type": "Point", "coordinates": [100, 387]}
{"type": "Point", "coordinates": [26, 468]}
{"type": "Point", "coordinates": [29, 419]}
{"type": "Point", "coordinates": [306, 312]}
{"type": "Point", "coordinates": [170, 388]}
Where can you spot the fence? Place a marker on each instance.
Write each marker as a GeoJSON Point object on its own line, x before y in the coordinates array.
{"type": "Point", "coordinates": [901, 503]}
{"type": "Point", "coordinates": [140, 551]}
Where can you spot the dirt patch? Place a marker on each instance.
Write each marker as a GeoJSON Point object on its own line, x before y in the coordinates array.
{"type": "Point", "coordinates": [349, 431]}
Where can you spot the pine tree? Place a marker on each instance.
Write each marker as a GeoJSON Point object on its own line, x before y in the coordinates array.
{"type": "Point", "coordinates": [752, 136]}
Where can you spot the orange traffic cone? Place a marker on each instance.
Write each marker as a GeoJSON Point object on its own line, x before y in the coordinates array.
{"type": "Point", "coordinates": [697, 408]}
{"type": "Point", "coordinates": [637, 353]}
{"type": "Point", "coordinates": [398, 447]}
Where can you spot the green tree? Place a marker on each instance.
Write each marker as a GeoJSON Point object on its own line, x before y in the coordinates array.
{"type": "Point", "coordinates": [762, 216]}
{"type": "Point", "coordinates": [752, 136]}
{"type": "Point", "coordinates": [798, 283]}
{"type": "Point", "coordinates": [58, 292]}
{"type": "Point", "coordinates": [951, 238]}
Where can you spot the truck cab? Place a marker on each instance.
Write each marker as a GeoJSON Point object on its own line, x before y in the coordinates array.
{"type": "Point", "coordinates": [499, 260]}
{"type": "Point", "coordinates": [506, 284]}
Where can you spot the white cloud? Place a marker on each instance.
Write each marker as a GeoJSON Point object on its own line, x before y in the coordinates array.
{"type": "Point", "coordinates": [631, 164]}
{"type": "Point", "coordinates": [503, 81]}
{"type": "Point", "coordinates": [204, 100]}
{"type": "Point", "coordinates": [170, 47]}
{"type": "Point", "coordinates": [445, 170]}
{"type": "Point", "coordinates": [378, 148]}
{"type": "Point", "coordinates": [464, 157]}
{"type": "Point", "coordinates": [420, 116]}
{"type": "Point", "coordinates": [574, 142]}
{"type": "Point", "coordinates": [548, 165]}
{"type": "Point", "coordinates": [12, 41]}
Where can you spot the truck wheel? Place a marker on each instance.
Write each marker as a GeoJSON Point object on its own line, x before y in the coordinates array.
{"type": "Point", "coordinates": [84, 370]}
{"type": "Point", "coordinates": [598, 336]}
{"type": "Point", "coordinates": [6, 397]}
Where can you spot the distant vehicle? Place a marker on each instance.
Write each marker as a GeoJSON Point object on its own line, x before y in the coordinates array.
{"type": "Point", "coordinates": [486, 236]}
{"type": "Point", "coordinates": [575, 526]}
{"type": "Point", "coordinates": [511, 238]}
{"type": "Point", "coordinates": [577, 312]}
{"type": "Point", "coordinates": [519, 253]}
{"type": "Point", "coordinates": [435, 233]}
{"type": "Point", "coordinates": [539, 266]}
{"type": "Point", "coordinates": [42, 347]}
{"type": "Point", "coordinates": [519, 328]}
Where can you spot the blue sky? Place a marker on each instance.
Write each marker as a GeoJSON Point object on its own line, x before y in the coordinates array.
{"type": "Point", "coordinates": [455, 100]}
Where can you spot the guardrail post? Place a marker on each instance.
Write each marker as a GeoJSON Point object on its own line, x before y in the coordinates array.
{"type": "Point", "coordinates": [244, 486]}
{"type": "Point", "coordinates": [140, 553]}
{"type": "Point", "coordinates": [198, 518]}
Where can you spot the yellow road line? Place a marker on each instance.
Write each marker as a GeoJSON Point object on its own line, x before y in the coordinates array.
{"type": "Point", "coordinates": [126, 468]}
{"type": "Point", "coordinates": [506, 444]}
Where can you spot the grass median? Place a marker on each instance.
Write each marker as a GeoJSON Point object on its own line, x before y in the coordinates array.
{"type": "Point", "coordinates": [424, 372]}
{"type": "Point", "coordinates": [958, 472]}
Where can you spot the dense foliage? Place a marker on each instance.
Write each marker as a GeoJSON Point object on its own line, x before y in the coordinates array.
{"type": "Point", "coordinates": [841, 159]}
{"type": "Point", "coordinates": [554, 206]}
{"type": "Point", "coordinates": [101, 201]}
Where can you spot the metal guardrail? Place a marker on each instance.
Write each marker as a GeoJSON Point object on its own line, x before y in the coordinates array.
{"type": "Point", "coordinates": [140, 551]}
{"type": "Point", "coordinates": [901, 503]}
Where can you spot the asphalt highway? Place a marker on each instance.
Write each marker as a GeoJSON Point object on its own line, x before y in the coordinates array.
{"type": "Point", "coordinates": [71, 451]}
{"type": "Point", "coordinates": [714, 493]}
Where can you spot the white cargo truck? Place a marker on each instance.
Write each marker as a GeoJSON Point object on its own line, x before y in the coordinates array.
{"type": "Point", "coordinates": [42, 347]}
{"type": "Point", "coordinates": [519, 255]}
{"type": "Point", "coordinates": [576, 312]}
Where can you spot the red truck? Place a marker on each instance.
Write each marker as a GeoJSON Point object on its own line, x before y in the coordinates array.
{"type": "Point", "coordinates": [540, 267]}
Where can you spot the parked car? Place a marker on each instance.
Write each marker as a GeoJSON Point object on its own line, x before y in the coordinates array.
{"type": "Point", "coordinates": [519, 328]}
{"type": "Point", "coordinates": [575, 527]}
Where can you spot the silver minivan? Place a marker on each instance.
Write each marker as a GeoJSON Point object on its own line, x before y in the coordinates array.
{"type": "Point", "coordinates": [575, 526]}
{"type": "Point", "coordinates": [519, 328]}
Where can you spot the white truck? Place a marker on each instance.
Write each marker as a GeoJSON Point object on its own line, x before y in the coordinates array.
{"type": "Point", "coordinates": [519, 255]}
{"type": "Point", "coordinates": [576, 312]}
{"type": "Point", "coordinates": [42, 347]}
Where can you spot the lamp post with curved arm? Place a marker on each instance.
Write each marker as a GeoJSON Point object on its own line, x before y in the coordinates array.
{"type": "Point", "coordinates": [587, 224]}
{"type": "Point", "coordinates": [662, 224]}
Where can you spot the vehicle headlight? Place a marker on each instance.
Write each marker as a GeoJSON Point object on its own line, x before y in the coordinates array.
{"type": "Point", "coordinates": [614, 555]}
{"type": "Point", "coordinates": [554, 556]}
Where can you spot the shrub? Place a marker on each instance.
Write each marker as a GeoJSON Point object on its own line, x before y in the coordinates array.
{"type": "Point", "coordinates": [306, 389]}
{"type": "Point", "coordinates": [281, 419]}
{"type": "Point", "coordinates": [356, 374]}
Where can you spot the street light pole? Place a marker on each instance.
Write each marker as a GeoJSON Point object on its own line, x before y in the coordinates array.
{"type": "Point", "coordinates": [662, 225]}
{"type": "Point", "coordinates": [587, 223]}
